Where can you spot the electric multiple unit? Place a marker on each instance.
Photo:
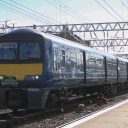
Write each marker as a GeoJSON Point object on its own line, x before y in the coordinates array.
{"type": "Point", "coordinates": [39, 70]}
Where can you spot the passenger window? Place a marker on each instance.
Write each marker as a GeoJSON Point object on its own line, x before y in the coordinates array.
{"type": "Point", "coordinates": [73, 57]}
{"type": "Point", "coordinates": [62, 58]}
{"type": "Point", "coordinates": [8, 51]}
{"type": "Point", "coordinates": [80, 60]}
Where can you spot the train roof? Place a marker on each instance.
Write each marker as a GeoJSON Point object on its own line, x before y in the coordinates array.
{"type": "Point", "coordinates": [35, 34]}
{"type": "Point", "coordinates": [81, 46]}
{"type": "Point", "coordinates": [76, 44]}
{"type": "Point", "coordinates": [18, 33]}
{"type": "Point", "coordinates": [122, 59]}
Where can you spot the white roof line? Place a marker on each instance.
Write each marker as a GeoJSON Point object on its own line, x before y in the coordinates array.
{"type": "Point", "coordinates": [75, 44]}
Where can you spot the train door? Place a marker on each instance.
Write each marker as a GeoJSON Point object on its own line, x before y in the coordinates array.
{"type": "Point", "coordinates": [127, 71]}
{"type": "Point", "coordinates": [84, 65]}
{"type": "Point", "coordinates": [81, 66]}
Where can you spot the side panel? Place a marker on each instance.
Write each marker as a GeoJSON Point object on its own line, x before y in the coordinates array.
{"type": "Point", "coordinates": [111, 64]}
{"type": "Point", "coordinates": [48, 61]}
{"type": "Point", "coordinates": [122, 71]}
{"type": "Point", "coordinates": [65, 65]}
{"type": "Point", "coordinates": [95, 68]}
{"type": "Point", "coordinates": [71, 66]}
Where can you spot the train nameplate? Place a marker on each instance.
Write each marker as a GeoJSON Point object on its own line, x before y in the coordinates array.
{"type": "Point", "coordinates": [9, 81]}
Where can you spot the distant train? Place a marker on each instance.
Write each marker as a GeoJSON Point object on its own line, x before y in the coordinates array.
{"type": "Point", "coordinates": [40, 70]}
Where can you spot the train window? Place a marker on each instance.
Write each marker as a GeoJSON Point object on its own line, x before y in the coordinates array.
{"type": "Point", "coordinates": [62, 58]}
{"type": "Point", "coordinates": [8, 51]}
{"type": "Point", "coordinates": [73, 58]}
{"type": "Point", "coordinates": [29, 51]}
{"type": "Point", "coordinates": [80, 60]}
{"type": "Point", "coordinates": [55, 51]}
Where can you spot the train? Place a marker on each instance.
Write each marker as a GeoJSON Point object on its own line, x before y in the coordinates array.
{"type": "Point", "coordinates": [41, 70]}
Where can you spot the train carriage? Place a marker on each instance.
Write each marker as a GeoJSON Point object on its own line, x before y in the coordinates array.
{"type": "Point", "coordinates": [39, 70]}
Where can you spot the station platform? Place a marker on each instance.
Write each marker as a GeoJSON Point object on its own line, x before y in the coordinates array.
{"type": "Point", "coordinates": [113, 117]}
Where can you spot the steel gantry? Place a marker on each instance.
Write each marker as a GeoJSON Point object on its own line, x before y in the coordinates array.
{"type": "Point", "coordinates": [110, 36]}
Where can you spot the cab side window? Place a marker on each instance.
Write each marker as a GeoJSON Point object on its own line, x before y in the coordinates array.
{"type": "Point", "coordinates": [55, 57]}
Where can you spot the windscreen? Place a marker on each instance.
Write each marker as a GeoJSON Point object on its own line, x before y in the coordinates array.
{"type": "Point", "coordinates": [20, 51]}
{"type": "Point", "coordinates": [8, 51]}
{"type": "Point", "coordinates": [29, 51]}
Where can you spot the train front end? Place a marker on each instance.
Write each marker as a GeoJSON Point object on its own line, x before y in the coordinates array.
{"type": "Point", "coordinates": [21, 68]}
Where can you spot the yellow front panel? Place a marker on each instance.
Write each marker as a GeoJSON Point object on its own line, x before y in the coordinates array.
{"type": "Point", "coordinates": [21, 70]}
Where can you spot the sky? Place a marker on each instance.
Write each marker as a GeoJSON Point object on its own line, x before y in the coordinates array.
{"type": "Point", "coordinates": [44, 12]}
{"type": "Point", "coordinates": [53, 12]}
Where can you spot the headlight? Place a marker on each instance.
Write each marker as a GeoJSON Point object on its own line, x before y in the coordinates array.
{"type": "Point", "coordinates": [32, 77]}
{"type": "Point", "coordinates": [2, 77]}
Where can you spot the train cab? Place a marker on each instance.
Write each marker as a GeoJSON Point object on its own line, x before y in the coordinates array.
{"type": "Point", "coordinates": [21, 66]}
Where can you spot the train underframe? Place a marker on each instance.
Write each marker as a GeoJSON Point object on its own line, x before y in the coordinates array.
{"type": "Point", "coordinates": [52, 97]}
{"type": "Point", "coordinates": [58, 97]}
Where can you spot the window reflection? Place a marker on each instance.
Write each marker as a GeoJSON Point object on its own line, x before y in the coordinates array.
{"type": "Point", "coordinates": [62, 58]}
{"type": "Point", "coordinates": [29, 51]}
{"type": "Point", "coordinates": [8, 51]}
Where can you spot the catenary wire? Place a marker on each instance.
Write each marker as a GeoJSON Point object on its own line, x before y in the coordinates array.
{"type": "Point", "coordinates": [27, 12]}
{"type": "Point", "coordinates": [105, 9]}
{"type": "Point", "coordinates": [19, 12]}
{"type": "Point", "coordinates": [33, 11]}
{"type": "Point", "coordinates": [63, 9]}
{"type": "Point", "coordinates": [72, 11]}
{"type": "Point", "coordinates": [113, 10]}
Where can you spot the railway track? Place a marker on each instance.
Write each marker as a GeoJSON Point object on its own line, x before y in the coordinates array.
{"type": "Point", "coordinates": [14, 119]}
{"type": "Point", "coordinates": [92, 115]}
{"type": "Point", "coordinates": [55, 118]}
